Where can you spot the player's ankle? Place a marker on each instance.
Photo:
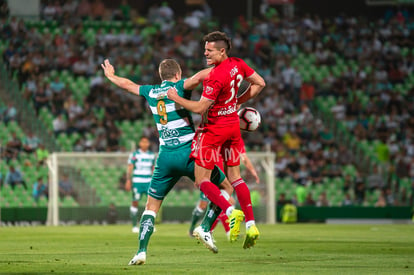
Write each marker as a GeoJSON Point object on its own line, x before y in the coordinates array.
{"type": "Point", "coordinates": [229, 210]}
{"type": "Point", "coordinates": [250, 223]}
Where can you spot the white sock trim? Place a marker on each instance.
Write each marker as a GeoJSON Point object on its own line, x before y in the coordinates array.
{"type": "Point", "coordinates": [133, 210]}
{"type": "Point", "coordinates": [225, 194]}
{"type": "Point", "coordinates": [199, 209]}
{"type": "Point", "coordinates": [250, 223]}
{"type": "Point", "coordinates": [229, 210]}
{"type": "Point", "coordinates": [149, 212]}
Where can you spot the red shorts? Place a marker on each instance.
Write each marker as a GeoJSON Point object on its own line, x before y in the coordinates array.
{"type": "Point", "coordinates": [211, 142]}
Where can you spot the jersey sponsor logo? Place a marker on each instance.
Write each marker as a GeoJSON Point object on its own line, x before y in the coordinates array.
{"type": "Point", "coordinates": [209, 90]}
{"type": "Point", "coordinates": [166, 133]}
{"type": "Point", "coordinates": [227, 110]}
{"type": "Point", "coordinates": [159, 93]}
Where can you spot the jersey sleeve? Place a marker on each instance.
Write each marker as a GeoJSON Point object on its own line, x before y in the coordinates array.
{"type": "Point", "coordinates": [211, 89]}
{"type": "Point", "coordinates": [248, 71]}
{"type": "Point", "coordinates": [144, 90]}
{"type": "Point", "coordinates": [180, 88]}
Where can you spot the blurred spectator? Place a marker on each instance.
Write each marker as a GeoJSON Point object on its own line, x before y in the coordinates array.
{"type": "Point", "coordinates": [309, 200]}
{"type": "Point", "coordinates": [4, 9]}
{"type": "Point", "coordinates": [41, 99]}
{"type": "Point", "coordinates": [69, 7]}
{"type": "Point", "coordinates": [125, 9]}
{"type": "Point", "coordinates": [56, 85]}
{"type": "Point", "coordinates": [323, 200]}
{"type": "Point", "coordinates": [375, 179]}
{"type": "Point", "coordinates": [302, 175]}
{"type": "Point", "coordinates": [315, 173]}
{"type": "Point", "coordinates": [98, 10]}
{"type": "Point", "coordinates": [349, 183]}
{"type": "Point", "coordinates": [41, 154]}
{"type": "Point", "coordinates": [282, 200]}
{"type": "Point", "coordinates": [14, 177]}
{"type": "Point", "coordinates": [347, 200]}
{"type": "Point", "coordinates": [389, 197]}
{"type": "Point", "coordinates": [326, 137]}
{"type": "Point", "coordinates": [39, 189]}
{"type": "Point", "coordinates": [66, 188]}
{"type": "Point", "coordinates": [59, 125]}
{"type": "Point", "coordinates": [359, 193]}
{"type": "Point", "coordinates": [381, 202]}
{"type": "Point", "coordinates": [344, 156]}
{"type": "Point", "coordinates": [113, 142]}
{"type": "Point", "coordinates": [13, 147]}
{"type": "Point", "coordinates": [10, 113]}
{"type": "Point", "coordinates": [30, 142]}
{"type": "Point", "coordinates": [112, 214]}
{"type": "Point", "coordinates": [84, 9]}
{"type": "Point", "coordinates": [301, 194]}
{"type": "Point", "coordinates": [333, 169]}
{"type": "Point", "coordinates": [293, 142]}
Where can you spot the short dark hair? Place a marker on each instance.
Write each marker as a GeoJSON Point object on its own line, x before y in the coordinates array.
{"type": "Point", "coordinates": [168, 68]}
{"type": "Point", "coordinates": [218, 36]}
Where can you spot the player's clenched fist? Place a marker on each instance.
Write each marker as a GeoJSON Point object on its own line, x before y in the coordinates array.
{"type": "Point", "coordinates": [172, 94]}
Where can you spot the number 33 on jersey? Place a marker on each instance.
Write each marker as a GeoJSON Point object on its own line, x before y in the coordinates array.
{"type": "Point", "coordinates": [221, 86]}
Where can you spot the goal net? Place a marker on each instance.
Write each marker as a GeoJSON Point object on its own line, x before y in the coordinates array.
{"type": "Point", "coordinates": [82, 187]}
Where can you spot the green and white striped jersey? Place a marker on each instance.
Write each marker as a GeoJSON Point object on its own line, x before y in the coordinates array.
{"type": "Point", "coordinates": [174, 123]}
{"type": "Point", "coordinates": [143, 163]}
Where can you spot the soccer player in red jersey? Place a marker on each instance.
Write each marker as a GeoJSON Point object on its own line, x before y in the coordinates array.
{"type": "Point", "coordinates": [220, 131]}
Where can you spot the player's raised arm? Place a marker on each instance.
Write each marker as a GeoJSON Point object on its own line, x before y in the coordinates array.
{"type": "Point", "coordinates": [121, 82]}
{"type": "Point", "coordinates": [199, 107]}
{"type": "Point", "coordinates": [192, 82]}
{"type": "Point", "coordinates": [257, 84]}
{"type": "Point", "coordinates": [249, 166]}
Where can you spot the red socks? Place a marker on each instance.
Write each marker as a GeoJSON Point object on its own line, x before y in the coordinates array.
{"type": "Point", "coordinates": [243, 195]}
{"type": "Point", "coordinates": [213, 193]}
{"type": "Point", "coordinates": [223, 218]}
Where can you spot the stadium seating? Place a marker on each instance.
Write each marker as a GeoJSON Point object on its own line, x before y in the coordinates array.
{"type": "Point", "coordinates": [105, 182]}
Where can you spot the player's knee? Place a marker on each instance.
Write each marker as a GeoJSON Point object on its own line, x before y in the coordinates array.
{"type": "Point", "coordinates": [203, 204]}
{"type": "Point", "coordinates": [225, 185]}
{"type": "Point", "coordinates": [199, 181]}
{"type": "Point", "coordinates": [134, 204]}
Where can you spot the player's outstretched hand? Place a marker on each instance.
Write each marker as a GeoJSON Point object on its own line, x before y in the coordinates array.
{"type": "Point", "coordinates": [108, 68]}
{"type": "Point", "coordinates": [172, 94]}
{"type": "Point", "coordinates": [256, 177]}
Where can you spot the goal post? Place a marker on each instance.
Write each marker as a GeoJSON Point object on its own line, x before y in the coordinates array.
{"type": "Point", "coordinates": [96, 178]}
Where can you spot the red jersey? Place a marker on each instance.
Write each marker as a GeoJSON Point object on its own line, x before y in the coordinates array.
{"type": "Point", "coordinates": [221, 86]}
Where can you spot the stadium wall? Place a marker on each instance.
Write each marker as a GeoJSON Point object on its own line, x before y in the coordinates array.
{"type": "Point", "coordinates": [183, 214]}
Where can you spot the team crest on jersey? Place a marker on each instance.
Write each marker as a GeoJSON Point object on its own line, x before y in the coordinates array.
{"type": "Point", "coordinates": [208, 90]}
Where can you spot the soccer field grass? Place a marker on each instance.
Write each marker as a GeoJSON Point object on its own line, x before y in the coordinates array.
{"type": "Point", "coordinates": [282, 249]}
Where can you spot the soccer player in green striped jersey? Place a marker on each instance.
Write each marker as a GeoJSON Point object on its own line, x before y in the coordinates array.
{"type": "Point", "coordinates": [139, 172]}
{"type": "Point", "coordinates": [176, 132]}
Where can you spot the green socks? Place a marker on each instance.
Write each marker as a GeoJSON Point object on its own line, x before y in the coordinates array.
{"type": "Point", "coordinates": [146, 229]}
{"type": "Point", "coordinates": [197, 214]}
{"type": "Point", "coordinates": [211, 215]}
